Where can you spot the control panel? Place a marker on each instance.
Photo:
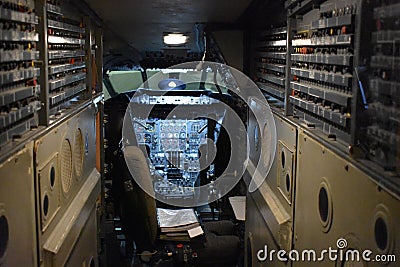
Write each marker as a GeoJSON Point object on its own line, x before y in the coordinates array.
{"type": "Point", "coordinates": [173, 149]}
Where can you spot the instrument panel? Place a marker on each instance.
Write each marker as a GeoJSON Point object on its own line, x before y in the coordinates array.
{"type": "Point", "coordinates": [173, 149]}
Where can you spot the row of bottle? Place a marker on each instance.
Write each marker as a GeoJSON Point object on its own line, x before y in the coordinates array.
{"type": "Point", "coordinates": [337, 12]}
{"type": "Point", "coordinates": [275, 49]}
{"type": "Point", "coordinates": [10, 46]}
{"type": "Point", "coordinates": [276, 37]}
{"type": "Point", "coordinates": [387, 49]}
{"type": "Point", "coordinates": [17, 26]}
{"type": "Point", "coordinates": [66, 34]}
{"type": "Point", "coordinates": [392, 23]}
{"type": "Point", "coordinates": [322, 85]}
{"type": "Point", "coordinates": [63, 19]}
{"type": "Point", "coordinates": [65, 73]}
{"type": "Point", "coordinates": [274, 73]}
{"type": "Point", "coordinates": [343, 70]}
{"type": "Point", "coordinates": [386, 75]}
{"type": "Point", "coordinates": [66, 87]}
{"type": "Point", "coordinates": [54, 2]}
{"type": "Point", "coordinates": [270, 84]}
{"type": "Point", "coordinates": [60, 61]}
{"type": "Point", "coordinates": [65, 47]}
{"type": "Point", "coordinates": [18, 84]}
{"type": "Point", "coordinates": [323, 102]}
{"type": "Point", "coordinates": [16, 65]}
{"type": "Point", "coordinates": [16, 7]}
{"type": "Point", "coordinates": [329, 32]}
{"type": "Point", "coordinates": [324, 50]}
{"type": "Point", "coordinates": [273, 61]}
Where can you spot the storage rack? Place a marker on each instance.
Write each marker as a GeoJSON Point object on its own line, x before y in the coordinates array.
{"type": "Point", "coordinates": [383, 135]}
{"type": "Point", "coordinates": [66, 57]}
{"type": "Point", "coordinates": [50, 65]}
{"type": "Point", "coordinates": [18, 73]}
{"type": "Point", "coordinates": [322, 85]}
{"type": "Point", "coordinates": [270, 62]}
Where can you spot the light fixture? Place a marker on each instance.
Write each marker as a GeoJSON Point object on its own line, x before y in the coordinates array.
{"type": "Point", "coordinates": [175, 39]}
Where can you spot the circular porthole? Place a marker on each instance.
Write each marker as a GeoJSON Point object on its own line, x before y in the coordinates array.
{"type": "Point", "coordinates": [349, 255]}
{"type": "Point", "coordinates": [46, 205]}
{"type": "Point", "coordinates": [283, 159]}
{"type": "Point", "coordinates": [66, 166]}
{"type": "Point", "coordinates": [351, 262]}
{"type": "Point", "coordinates": [4, 235]}
{"type": "Point", "coordinates": [52, 176]}
{"type": "Point", "coordinates": [287, 182]}
{"type": "Point", "coordinates": [79, 152]}
{"type": "Point", "coordinates": [381, 234]}
{"type": "Point", "coordinates": [325, 206]}
{"type": "Point", "coordinates": [382, 230]}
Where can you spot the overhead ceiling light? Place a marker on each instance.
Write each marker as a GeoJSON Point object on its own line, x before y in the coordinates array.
{"type": "Point", "coordinates": [175, 39]}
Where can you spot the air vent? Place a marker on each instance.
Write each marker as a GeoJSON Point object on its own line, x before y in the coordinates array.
{"type": "Point", "coordinates": [66, 166]}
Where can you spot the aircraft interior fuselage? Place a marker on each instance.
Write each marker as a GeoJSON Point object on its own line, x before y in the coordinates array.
{"type": "Point", "coordinates": [199, 133]}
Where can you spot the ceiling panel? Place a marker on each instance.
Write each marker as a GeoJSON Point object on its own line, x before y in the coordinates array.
{"type": "Point", "coordinates": [142, 23]}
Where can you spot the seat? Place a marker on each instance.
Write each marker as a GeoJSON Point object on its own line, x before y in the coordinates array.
{"type": "Point", "coordinates": [219, 246]}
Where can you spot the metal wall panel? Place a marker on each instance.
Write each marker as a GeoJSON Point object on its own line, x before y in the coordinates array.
{"type": "Point", "coordinates": [68, 184]}
{"type": "Point", "coordinates": [271, 206]}
{"type": "Point", "coordinates": [336, 200]}
{"type": "Point", "coordinates": [17, 210]}
{"type": "Point", "coordinates": [257, 235]}
{"type": "Point", "coordinates": [85, 251]}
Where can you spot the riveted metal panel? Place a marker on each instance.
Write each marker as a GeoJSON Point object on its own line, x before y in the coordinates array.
{"type": "Point", "coordinates": [17, 210]}
{"type": "Point", "coordinates": [334, 200]}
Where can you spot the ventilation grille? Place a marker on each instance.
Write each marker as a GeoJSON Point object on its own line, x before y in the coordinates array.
{"type": "Point", "coordinates": [66, 166]}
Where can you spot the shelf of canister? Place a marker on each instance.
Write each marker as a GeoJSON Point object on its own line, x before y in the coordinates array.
{"type": "Point", "coordinates": [271, 43]}
{"type": "Point", "coordinates": [274, 55]}
{"type": "Point", "coordinates": [64, 26]}
{"type": "Point", "coordinates": [66, 54]}
{"type": "Point", "coordinates": [18, 55]}
{"type": "Point", "coordinates": [17, 130]}
{"type": "Point", "coordinates": [18, 75]}
{"type": "Point", "coordinates": [387, 112]}
{"type": "Point", "coordinates": [344, 39]}
{"type": "Point", "coordinates": [330, 95]}
{"type": "Point", "coordinates": [17, 94]}
{"type": "Point", "coordinates": [53, 69]}
{"type": "Point", "coordinates": [16, 115]}
{"type": "Point", "coordinates": [58, 97]}
{"type": "Point", "coordinates": [273, 67]}
{"type": "Point", "coordinates": [11, 15]}
{"type": "Point", "coordinates": [387, 62]}
{"type": "Point", "coordinates": [272, 90]}
{"type": "Point", "coordinates": [382, 87]}
{"type": "Point", "coordinates": [342, 60]}
{"type": "Point", "coordinates": [323, 112]}
{"type": "Point", "coordinates": [272, 78]}
{"type": "Point", "coordinates": [383, 136]}
{"type": "Point", "coordinates": [54, 9]}
{"type": "Point", "coordinates": [57, 83]}
{"type": "Point", "coordinates": [388, 11]}
{"type": "Point", "coordinates": [65, 40]}
{"type": "Point", "coordinates": [332, 22]}
{"type": "Point", "coordinates": [382, 37]}
{"type": "Point", "coordinates": [18, 36]}
{"type": "Point", "coordinates": [338, 79]}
